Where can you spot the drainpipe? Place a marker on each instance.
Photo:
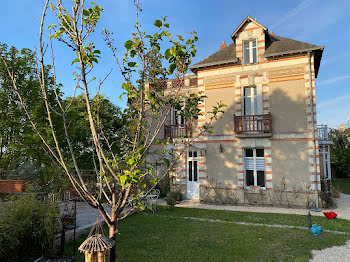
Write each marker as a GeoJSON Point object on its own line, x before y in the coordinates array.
{"type": "Point", "coordinates": [313, 127]}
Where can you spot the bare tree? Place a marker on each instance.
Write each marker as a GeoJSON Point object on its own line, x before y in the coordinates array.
{"type": "Point", "coordinates": [122, 178]}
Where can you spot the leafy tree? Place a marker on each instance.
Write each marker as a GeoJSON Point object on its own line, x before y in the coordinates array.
{"type": "Point", "coordinates": [20, 149]}
{"type": "Point", "coordinates": [123, 175]}
{"type": "Point", "coordinates": [340, 152]}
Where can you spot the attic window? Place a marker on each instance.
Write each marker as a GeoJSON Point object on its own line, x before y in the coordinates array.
{"type": "Point", "coordinates": [250, 52]}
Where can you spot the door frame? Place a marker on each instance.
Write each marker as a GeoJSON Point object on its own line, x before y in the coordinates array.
{"type": "Point", "coordinates": [192, 191]}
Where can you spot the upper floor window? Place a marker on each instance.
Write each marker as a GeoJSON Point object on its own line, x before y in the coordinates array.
{"type": "Point", "coordinates": [252, 100]}
{"type": "Point", "coordinates": [177, 118]}
{"type": "Point", "coordinates": [250, 52]}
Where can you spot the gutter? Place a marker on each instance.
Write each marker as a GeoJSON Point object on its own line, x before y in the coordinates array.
{"type": "Point", "coordinates": [313, 126]}
{"type": "Point", "coordinates": [224, 62]}
{"type": "Point", "coordinates": [295, 51]}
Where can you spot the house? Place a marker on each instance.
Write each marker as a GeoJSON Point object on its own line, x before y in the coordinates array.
{"type": "Point", "coordinates": [266, 147]}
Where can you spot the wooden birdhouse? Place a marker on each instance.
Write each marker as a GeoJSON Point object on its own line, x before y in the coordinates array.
{"type": "Point", "coordinates": [97, 246]}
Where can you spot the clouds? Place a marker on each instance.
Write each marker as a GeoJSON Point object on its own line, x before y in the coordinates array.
{"type": "Point", "coordinates": [333, 80]}
{"type": "Point", "coordinates": [295, 11]}
{"type": "Point", "coordinates": [333, 101]}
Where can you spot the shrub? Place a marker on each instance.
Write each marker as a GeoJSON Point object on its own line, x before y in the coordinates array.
{"type": "Point", "coordinates": [171, 201]}
{"type": "Point", "coordinates": [177, 195]}
{"type": "Point", "coordinates": [27, 228]}
{"type": "Point", "coordinates": [164, 186]}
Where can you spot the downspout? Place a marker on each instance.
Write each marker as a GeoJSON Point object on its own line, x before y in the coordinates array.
{"type": "Point", "coordinates": [313, 126]}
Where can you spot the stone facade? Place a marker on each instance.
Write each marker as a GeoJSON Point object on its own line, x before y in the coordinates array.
{"type": "Point", "coordinates": [289, 153]}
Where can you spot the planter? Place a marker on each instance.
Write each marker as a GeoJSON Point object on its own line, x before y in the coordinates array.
{"type": "Point", "coordinates": [324, 204]}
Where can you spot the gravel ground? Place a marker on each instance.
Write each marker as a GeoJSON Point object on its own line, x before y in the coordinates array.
{"type": "Point", "coordinates": [334, 254]}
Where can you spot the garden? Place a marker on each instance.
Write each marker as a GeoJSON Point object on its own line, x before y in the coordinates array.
{"type": "Point", "coordinates": [182, 234]}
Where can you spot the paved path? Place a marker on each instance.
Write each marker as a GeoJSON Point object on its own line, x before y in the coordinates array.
{"type": "Point", "coordinates": [258, 209]}
{"type": "Point", "coordinates": [86, 218]}
{"type": "Point", "coordinates": [336, 253]}
{"type": "Point", "coordinates": [343, 207]}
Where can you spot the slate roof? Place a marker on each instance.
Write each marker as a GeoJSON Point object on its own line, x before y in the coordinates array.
{"type": "Point", "coordinates": [279, 45]}
{"type": "Point", "coordinates": [276, 46]}
{"type": "Point", "coordinates": [223, 56]}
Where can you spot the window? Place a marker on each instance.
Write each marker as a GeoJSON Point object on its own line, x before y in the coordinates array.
{"type": "Point", "coordinates": [177, 118]}
{"type": "Point", "coordinates": [252, 100]}
{"type": "Point", "coordinates": [192, 168]}
{"type": "Point", "coordinates": [254, 165]}
{"type": "Point", "coordinates": [250, 52]}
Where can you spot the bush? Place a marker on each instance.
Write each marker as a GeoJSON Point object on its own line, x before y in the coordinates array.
{"type": "Point", "coordinates": [171, 202]}
{"type": "Point", "coordinates": [177, 195]}
{"type": "Point", "coordinates": [164, 186]}
{"type": "Point", "coordinates": [27, 228]}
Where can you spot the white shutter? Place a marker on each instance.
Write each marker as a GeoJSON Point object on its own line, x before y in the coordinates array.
{"type": "Point", "coordinates": [260, 106]}
{"type": "Point", "coordinates": [260, 164]}
{"type": "Point", "coordinates": [249, 163]}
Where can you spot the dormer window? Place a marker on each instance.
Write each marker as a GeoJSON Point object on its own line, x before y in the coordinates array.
{"type": "Point", "coordinates": [250, 52]}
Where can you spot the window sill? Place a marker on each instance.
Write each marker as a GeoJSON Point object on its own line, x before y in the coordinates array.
{"type": "Point", "coordinates": [254, 191]}
{"type": "Point", "coordinates": [248, 64]}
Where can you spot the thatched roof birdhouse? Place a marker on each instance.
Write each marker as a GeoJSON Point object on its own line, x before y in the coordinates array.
{"type": "Point", "coordinates": [97, 246]}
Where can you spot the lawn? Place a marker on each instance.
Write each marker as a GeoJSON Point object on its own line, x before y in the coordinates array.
{"type": "Point", "coordinates": [342, 184]}
{"type": "Point", "coordinates": [167, 236]}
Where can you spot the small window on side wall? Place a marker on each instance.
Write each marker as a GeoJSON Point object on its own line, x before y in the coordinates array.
{"type": "Point", "coordinates": [250, 54]}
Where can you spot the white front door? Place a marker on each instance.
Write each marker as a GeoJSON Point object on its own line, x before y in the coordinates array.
{"type": "Point", "coordinates": [192, 175]}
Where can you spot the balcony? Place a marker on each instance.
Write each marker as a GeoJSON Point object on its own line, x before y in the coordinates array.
{"type": "Point", "coordinates": [322, 133]}
{"type": "Point", "coordinates": [253, 125]}
{"type": "Point", "coordinates": [176, 131]}
{"type": "Point", "coordinates": [162, 85]}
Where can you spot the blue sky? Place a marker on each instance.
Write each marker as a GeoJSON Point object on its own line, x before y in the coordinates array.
{"type": "Point", "coordinates": [318, 22]}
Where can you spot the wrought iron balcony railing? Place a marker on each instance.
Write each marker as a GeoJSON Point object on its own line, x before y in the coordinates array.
{"type": "Point", "coordinates": [322, 131]}
{"type": "Point", "coordinates": [176, 131]}
{"type": "Point", "coordinates": [253, 124]}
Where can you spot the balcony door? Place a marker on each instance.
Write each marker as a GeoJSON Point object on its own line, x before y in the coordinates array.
{"type": "Point", "coordinates": [177, 119]}
{"type": "Point", "coordinates": [252, 108]}
{"type": "Point", "coordinates": [253, 100]}
{"type": "Point", "coordinates": [192, 175]}
{"type": "Point", "coordinates": [178, 123]}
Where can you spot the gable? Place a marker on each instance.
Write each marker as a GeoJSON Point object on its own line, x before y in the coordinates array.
{"type": "Point", "coordinates": [247, 24]}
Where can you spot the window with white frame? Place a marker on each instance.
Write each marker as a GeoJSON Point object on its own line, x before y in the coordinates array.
{"type": "Point", "coordinates": [177, 118]}
{"type": "Point", "coordinates": [250, 54]}
{"type": "Point", "coordinates": [252, 100]}
{"type": "Point", "coordinates": [192, 166]}
{"type": "Point", "coordinates": [254, 165]}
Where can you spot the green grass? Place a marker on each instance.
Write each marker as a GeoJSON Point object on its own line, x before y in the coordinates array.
{"type": "Point", "coordinates": [166, 236]}
{"type": "Point", "coordinates": [342, 185]}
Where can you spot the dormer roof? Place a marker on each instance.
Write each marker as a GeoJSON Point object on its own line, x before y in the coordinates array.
{"type": "Point", "coordinates": [246, 20]}
{"type": "Point", "coordinates": [275, 46]}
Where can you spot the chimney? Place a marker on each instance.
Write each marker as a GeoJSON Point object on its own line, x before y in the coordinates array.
{"type": "Point", "coordinates": [271, 33]}
{"type": "Point", "coordinates": [223, 45]}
